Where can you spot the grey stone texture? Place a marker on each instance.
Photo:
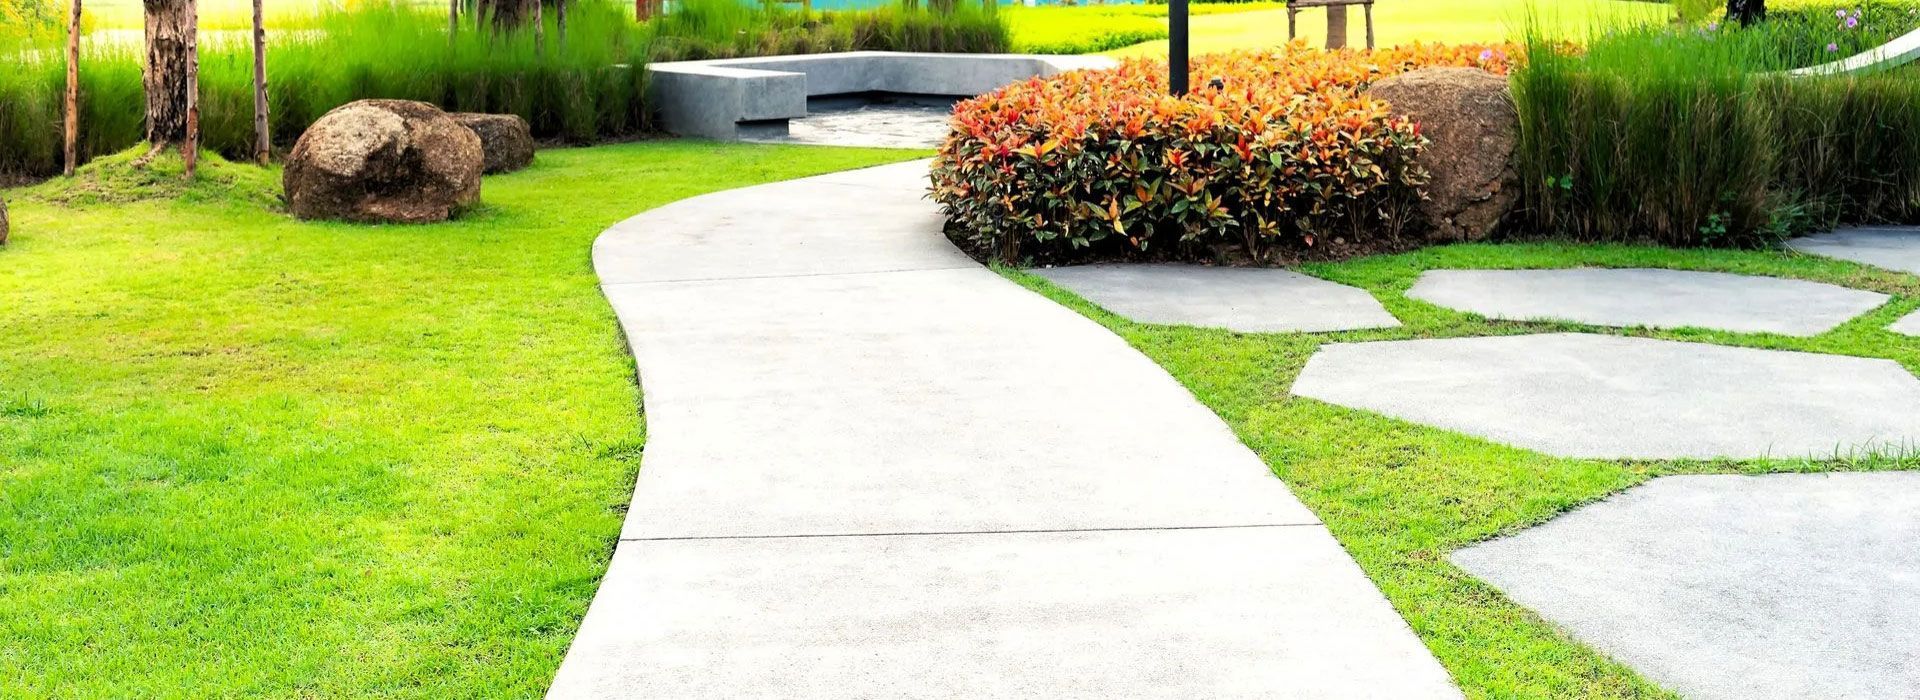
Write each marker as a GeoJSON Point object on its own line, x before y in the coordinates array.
{"type": "Point", "coordinates": [1910, 325]}
{"type": "Point", "coordinates": [505, 139]}
{"type": "Point", "coordinates": [877, 469]}
{"type": "Point", "coordinates": [713, 98]}
{"type": "Point", "coordinates": [1250, 300]}
{"type": "Point", "coordinates": [1892, 247]}
{"type": "Point", "coordinates": [1580, 395]}
{"type": "Point", "coordinates": [384, 161]}
{"type": "Point", "coordinates": [873, 121]}
{"type": "Point", "coordinates": [1735, 587]}
{"type": "Point", "coordinates": [1651, 298]}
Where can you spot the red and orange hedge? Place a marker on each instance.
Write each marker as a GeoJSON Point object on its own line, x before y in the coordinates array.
{"type": "Point", "coordinates": [1268, 148]}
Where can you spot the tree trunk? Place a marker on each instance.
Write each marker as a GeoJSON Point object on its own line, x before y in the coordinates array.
{"type": "Point", "coordinates": [73, 91]}
{"type": "Point", "coordinates": [169, 70]}
{"type": "Point", "coordinates": [1336, 26]}
{"type": "Point", "coordinates": [539, 28]}
{"type": "Point", "coordinates": [1746, 12]}
{"type": "Point", "coordinates": [560, 20]}
{"type": "Point", "coordinates": [262, 138]}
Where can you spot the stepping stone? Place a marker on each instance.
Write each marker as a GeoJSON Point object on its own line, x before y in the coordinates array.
{"type": "Point", "coordinates": [1735, 587]}
{"type": "Point", "coordinates": [1909, 325]}
{"type": "Point", "coordinates": [1891, 247]}
{"type": "Point", "coordinates": [1581, 395]}
{"type": "Point", "coordinates": [1650, 298]}
{"type": "Point", "coordinates": [1244, 299]}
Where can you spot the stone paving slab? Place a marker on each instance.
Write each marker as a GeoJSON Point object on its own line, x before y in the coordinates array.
{"type": "Point", "coordinates": [1650, 298]}
{"type": "Point", "coordinates": [1248, 300]}
{"type": "Point", "coordinates": [1581, 395]}
{"type": "Point", "coordinates": [876, 469]}
{"type": "Point", "coordinates": [1891, 247]}
{"type": "Point", "coordinates": [1230, 613]}
{"type": "Point", "coordinates": [1909, 325]}
{"type": "Point", "coordinates": [1735, 587]}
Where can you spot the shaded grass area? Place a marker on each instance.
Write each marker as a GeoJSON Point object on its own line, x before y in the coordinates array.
{"type": "Point", "coordinates": [1400, 496]}
{"type": "Point", "coordinates": [243, 456]}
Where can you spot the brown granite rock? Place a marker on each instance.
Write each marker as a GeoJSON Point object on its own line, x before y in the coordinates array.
{"type": "Point", "coordinates": [1468, 115]}
{"type": "Point", "coordinates": [384, 161]}
{"type": "Point", "coordinates": [505, 138]}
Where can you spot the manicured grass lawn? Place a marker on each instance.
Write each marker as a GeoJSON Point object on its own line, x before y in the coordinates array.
{"type": "Point", "coordinates": [1226, 27]}
{"type": "Point", "coordinates": [1401, 496]}
{"type": "Point", "coordinates": [243, 456]}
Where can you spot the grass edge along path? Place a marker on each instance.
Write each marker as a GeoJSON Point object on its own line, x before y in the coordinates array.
{"type": "Point", "coordinates": [244, 456]}
{"type": "Point", "coordinates": [1400, 497]}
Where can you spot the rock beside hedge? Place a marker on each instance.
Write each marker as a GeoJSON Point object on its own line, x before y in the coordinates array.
{"type": "Point", "coordinates": [1468, 115]}
{"type": "Point", "coordinates": [505, 138]}
{"type": "Point", "coordinates": [384, 161]}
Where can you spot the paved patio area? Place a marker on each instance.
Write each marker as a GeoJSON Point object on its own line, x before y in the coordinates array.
{"type": "Point", "coordinates": [1251, 300]}
{"type": "Point", "coordinates": [877, 469]}
{"type": "Point", "coordinates": [1891, 247]}
{"type": "Point", "coordinates": [1649, 298]}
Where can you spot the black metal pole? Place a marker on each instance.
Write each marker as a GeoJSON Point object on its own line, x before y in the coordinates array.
{"type": "Point", "coordinates": [1177, 46]}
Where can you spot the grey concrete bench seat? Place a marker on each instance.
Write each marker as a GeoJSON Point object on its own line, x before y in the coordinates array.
{"type": "Point", "coordinates": [713, 98]}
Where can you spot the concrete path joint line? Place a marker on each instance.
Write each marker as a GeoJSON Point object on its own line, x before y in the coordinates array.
{"type": "Point", "coordinates": [974, 532]}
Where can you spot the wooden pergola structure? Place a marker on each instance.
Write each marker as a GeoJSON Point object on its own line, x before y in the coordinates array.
{"type": "Point", "coordinates": [1336, 19]}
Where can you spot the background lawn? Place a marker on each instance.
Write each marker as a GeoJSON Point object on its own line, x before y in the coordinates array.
{"type": "Point", "coordinates": [242, 456]}
{"type": "Point", "coordinates": [1401, 497]}
{"type": "Point", "coordinates": [1257, 25]}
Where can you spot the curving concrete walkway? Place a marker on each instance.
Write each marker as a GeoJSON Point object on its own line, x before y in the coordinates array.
{"type": "Point", "coordinates": [877, 469]}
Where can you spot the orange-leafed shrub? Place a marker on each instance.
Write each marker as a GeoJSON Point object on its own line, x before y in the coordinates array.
{"type": "Point", "coordinates": [1268, 148]}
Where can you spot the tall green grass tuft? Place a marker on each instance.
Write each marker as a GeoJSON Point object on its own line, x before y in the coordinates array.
{"type": "Point", "coordinates": [1690, 136]}
{"type": "Point", "coordinates": [703, 29]}
{"type": "Point", "coordinates": [584, 88]}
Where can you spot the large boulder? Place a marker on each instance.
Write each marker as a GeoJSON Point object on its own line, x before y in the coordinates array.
{"type": "Point", "coordinates": [384, 161]}
{"type": "Point", "coordinates": [505, 138]}
{"type": "Point", "coordinates": [1469, 116]}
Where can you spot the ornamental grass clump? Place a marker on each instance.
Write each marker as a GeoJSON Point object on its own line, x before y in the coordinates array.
{"type": "Point", "coordinates": [1270, 150]}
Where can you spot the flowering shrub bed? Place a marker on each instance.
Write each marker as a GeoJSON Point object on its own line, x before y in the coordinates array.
{"type": "Point", "coordinates": [1269, 149]}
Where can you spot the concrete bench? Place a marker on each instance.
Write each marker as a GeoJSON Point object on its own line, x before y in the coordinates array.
{"type": "Point", "coordinates": [714, 98]}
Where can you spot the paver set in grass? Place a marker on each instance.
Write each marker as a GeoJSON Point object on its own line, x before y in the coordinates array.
{"type": "Point", "coordinates": [242, 456]}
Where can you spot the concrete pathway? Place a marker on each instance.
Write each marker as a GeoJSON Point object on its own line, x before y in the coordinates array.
{"type": "Point", "coordinates": [1909, 325]}
{"type": "Point", "coordinates": [1649, 298]}
{"type": "Point", "coordinates": [1581, 395]}
{"type": "Point", "coordinates": [1249, 300]}
{"type": "Point", "coordinates": [1735, 587]}
{"type": "Point", "coordinates": [877, 469]}
{"type": "Point", "coordinates": [1891, 247]}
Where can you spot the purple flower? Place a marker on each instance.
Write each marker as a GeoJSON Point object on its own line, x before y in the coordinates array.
{"type": "Point", "coordinates": [1713, 26]}
{"type": "Point", "coordinates": [1486, 55]}
{"type": "Point", "coordinates": [1832, 48]}
{"type": "Point", "coordinates": [1839, 13]}
{"type": "Point", "coordinates": [1853, 22]}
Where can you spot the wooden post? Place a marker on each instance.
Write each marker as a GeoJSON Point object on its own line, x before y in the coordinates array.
{"type": "Point", "coordinates": [1177, 47]}
{"type": "Point", "coordinates": [190, 147]}
{"type": "Point", "coordinates": [1369, 11]}
{"type": "Point", "coordinates": [1336, 26]}
{"type": "Point", "coordinates": [73, 90]}
{"type": "Point", "coordinates": [262, 140]}
{"type": "Point", "coordinates": [1293, 15]}
{"type": "Point", "coordinates": [453, 17]}
{"type": "Point", "coordinates": [539, 27]}
{"type": "Point", "coordinates": [560, 19]}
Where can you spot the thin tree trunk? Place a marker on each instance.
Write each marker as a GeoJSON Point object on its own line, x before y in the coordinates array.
{"type": "Point", "coordinates": [560, 20]}
{"type": "Point", "coordinates": [539, 28]}
{"type": "Point", "coordinates": [170, 45]}
{"type": "Point", "coordinates": [262, 138]}
{"type": "Point", "coordinates": [453, 17]}
{"type": "Point", "coordinates": [1336, 26]}
{"type": "Point", "coordinates": [190, 147]}
{"type": "Point", "coordinates": [73, 90]}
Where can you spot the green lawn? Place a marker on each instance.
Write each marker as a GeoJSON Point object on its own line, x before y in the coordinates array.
{"type": "Point", "coordinates": [1400, 497]}
{"type": "Point", "coordinates": [242, 456]}
{"type": "Point", "coordinates": [1226, 27]}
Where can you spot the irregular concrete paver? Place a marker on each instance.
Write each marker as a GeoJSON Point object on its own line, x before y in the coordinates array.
{"type": "Point", "coordinates": [1735, 587]}
{"type": "Point", "coordinates": [877, 470]}
{"type": "Point", "coordinates": [1581, 395]}
{"type": "Point", "coordinates": [1909, 325]}
{"type": "Point", "coordinates": [1249, 300]}
{"type": "Point", "coordinates": [1651, 298]}
{"type": "Point", "coordinates": [1891, 247]}
{"type": "Point", "coordinates": [1232, 613]}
